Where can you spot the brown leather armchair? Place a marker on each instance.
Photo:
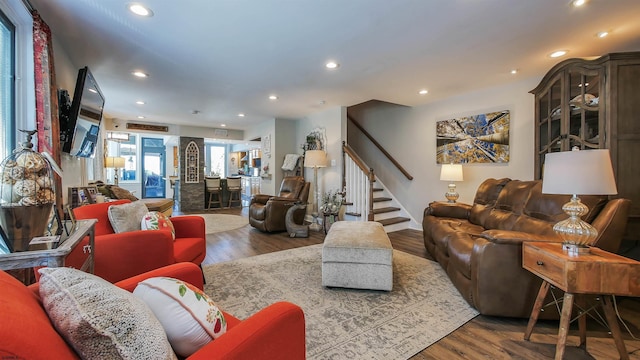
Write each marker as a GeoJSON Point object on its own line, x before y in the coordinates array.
{"type": "Point", "coordinates": [267, 213]}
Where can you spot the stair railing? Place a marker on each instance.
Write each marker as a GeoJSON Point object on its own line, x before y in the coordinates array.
{"type": "Point", "coordinates": [357, 184]}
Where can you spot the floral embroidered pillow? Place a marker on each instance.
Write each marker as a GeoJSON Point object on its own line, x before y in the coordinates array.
{"type": "Point", "coordinates": [154, 220]}
{"type": "Point", "coordinates": [189, 317]}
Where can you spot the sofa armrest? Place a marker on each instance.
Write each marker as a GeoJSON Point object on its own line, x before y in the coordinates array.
{"type": "Point", "coordinates": [275, 332]}
{"type": "Point", "coordinates": [451, 210]}
{"type": "Point", "coordinates": [185, 271]}
{"type": "Point", "coordinates": [188, 226]}
{"type": "Point", "coordinates": [119, 256]}
{"type": "Point", "coordinates": [516, 237]}
{"type": "Point", "coordinates": [260, 199]}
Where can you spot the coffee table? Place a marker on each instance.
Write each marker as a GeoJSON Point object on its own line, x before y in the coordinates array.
{"type": "Point", "coordinates": [54, 254]}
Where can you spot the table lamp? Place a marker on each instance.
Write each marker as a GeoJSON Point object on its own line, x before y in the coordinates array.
{"type": "Point", "coordinates": [451, 173]}
{"type": "Point", "coordinates": [114, 163]}
{"type": "Point", "coordinates": [587, 172]}
{"type": "Point", "coordinates": [315, 159]}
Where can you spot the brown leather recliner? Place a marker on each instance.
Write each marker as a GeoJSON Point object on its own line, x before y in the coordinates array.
{"type": "Point", "coordinates": [267, 213]}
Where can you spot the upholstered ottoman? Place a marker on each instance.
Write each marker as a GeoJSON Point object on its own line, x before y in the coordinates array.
{"type": "Point", "coordinates": [357, 255]}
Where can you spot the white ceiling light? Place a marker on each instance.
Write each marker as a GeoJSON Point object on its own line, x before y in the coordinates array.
{"type": "Point", "coordinates": [423, 92]}
{"type": "Point", "coordinates": [223, 125]}
{"type": "Point", "coordinates": [241, 115]}
{"type": "Point", "coordinates": [140, 102]}
{"type": "Point", "coordinates": [602, 34]}
{"type": "Point", "coordinates": [273, 97]}
{"type": "Point", "coordinates": [578, 3]}
{"type": "Point", "coordinates": [140, 74]}
{"type": "Point", "coordinates": [332, 65]}
{"type": "Point", "coordinates": [514, 71]}
{"type": "Point", "coordinates": [140, 117]}
{"type": "Point", "coordinates": [558, 53]}
{"type": "Point", "coordinates": [140, 9]}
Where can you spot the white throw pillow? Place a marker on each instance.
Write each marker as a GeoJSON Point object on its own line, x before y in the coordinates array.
{"type": "Point", "coordinates": [154, 220]}
{"type": "Point", "coordinates": [190, 318]}
{"type": "Point", "coordinates": [127, 217]}
{"type": "Point", "coordinates": [100, 320]}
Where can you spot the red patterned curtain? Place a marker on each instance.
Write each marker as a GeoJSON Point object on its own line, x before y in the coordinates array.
{"type": "Point", "coordinates": [47, 121]}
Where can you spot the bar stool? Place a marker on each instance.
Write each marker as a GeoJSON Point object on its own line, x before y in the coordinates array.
{"type": "Point", "coordinates": [234, 186]}
{"type": "Point", "coordinates": [213, 188]}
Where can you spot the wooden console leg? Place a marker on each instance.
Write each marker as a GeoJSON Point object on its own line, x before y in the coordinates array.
{"type": "Point", "coordinates": [612, 320]}
{"type": "Point", "coordinates": [537, 306]}
{"type": "Point", "coordinates": [565, 320]}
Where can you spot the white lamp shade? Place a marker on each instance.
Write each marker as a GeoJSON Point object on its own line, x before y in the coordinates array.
{"type": "Point", "coordinates": [114, 162]}
{"type": "Point", "coordinates": [451, 172]}
{"type": "Point", "coordinates": [315, 158]}
{"type": "Point", "coordinates": [583, 172]}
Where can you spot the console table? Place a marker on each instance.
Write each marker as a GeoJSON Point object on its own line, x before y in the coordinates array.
{"type": "Point", "coordinates": [53, 254]}
{"type": "Point", "coordinates": [598, 272]}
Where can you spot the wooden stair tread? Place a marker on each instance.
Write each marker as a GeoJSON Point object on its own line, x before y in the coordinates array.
{"type": "Point", "coordinates": [381, 199]}
{"type": "Point", "coordinates": [391, 221]}
{"type": "Point", "coordinates": [353, 214]}
{"type": "Point", "coordinates": [378, 189]}
{"type": "Point", "coordinates": [385, 210]}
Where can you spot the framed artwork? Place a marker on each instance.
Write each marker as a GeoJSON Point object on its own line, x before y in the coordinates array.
{"type": "Point", "coordinates": [482, 138]}
{"type": "Point", "coordinates": [92, 193]}
{"type": "Point", "coordinates": [266, 146]}
{"type": "Point", "coordinates": [316, 140]}
{"type": "Point", "coordinates": [191, 160]}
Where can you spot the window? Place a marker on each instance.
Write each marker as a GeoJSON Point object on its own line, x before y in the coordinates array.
{"type": "Point", "coordinates": [127, 149]}
{"type": "Point", "coordinates": [17, 93]}
{"type": "Point", "coordinates": [7, 89]}
{"type": "Point", "coordinates": [216, 160]}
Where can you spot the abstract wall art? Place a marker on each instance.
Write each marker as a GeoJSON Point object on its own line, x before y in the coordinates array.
{"type": "Point", "coordinates": [482, 138]}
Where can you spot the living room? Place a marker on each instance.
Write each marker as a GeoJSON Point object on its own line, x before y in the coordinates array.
{"type": "Point", "coordinates": [407, 131]}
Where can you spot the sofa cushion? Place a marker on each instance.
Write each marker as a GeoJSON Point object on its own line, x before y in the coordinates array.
{"type": "Point", "coordinates": [189, 317]}
{"type": "Point", "coordinates": [127, 217]}
{"type": "Point", "coordinates": [154, 220]}
{"type": "Point", "coordinates": [22, 318]}
{"type": "Point", "coordinates": [548, 207]}
{"type": "Point", "coordinates": [509, 205]}
{"type": "Point", "coordinates": [460, 250]}
{"type": "Point", "coordinates": [189, 250]}
{"type": "Point", "coordinates": [100, 320]}
{"type": "Point", "coordinates": [485, 199]}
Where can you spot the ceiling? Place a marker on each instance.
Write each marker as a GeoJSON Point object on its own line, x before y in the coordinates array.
{"type": "Point", "coordinates": [225, 57]}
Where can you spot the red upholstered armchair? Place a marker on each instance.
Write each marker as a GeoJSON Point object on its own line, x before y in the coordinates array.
{"type": "Point", "coordinates": [275, 332]}
{"type": "Point", "coordinates": [122, 255]}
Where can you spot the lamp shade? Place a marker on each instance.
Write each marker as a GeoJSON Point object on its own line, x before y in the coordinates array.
{"type": "Point", "coordinates": [451, 172]}
{"type": "Point", "coordinates": [114, 162]}
{"type": "Point", "coordinates": [315, 158]}
{"type": "Point", "coordinates": [579, 172]}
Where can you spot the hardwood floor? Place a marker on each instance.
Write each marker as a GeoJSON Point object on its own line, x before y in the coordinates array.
{"type": "Point", "coordinates": [484, 337]}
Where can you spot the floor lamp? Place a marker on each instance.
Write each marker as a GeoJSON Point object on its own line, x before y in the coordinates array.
{"type": "Point", "coordinates": [114, 163]}
{"type": "Point", "coordinates": [315, 159]}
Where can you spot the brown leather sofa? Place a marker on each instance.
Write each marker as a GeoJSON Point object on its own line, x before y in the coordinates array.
{"type": "Point", "coordinates": [480, 245]}
{"type": "Point", "coordinates": [267, 212]}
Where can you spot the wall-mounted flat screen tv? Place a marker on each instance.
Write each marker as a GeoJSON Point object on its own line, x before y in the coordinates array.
{"type": "Point", "coordinates": [80, 121]}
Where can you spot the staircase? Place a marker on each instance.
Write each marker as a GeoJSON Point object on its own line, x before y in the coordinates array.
{"type": "Point", "coordinates": [367, 199]}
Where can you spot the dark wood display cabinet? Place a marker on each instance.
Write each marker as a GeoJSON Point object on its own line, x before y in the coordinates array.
{"type": "Point", "coordinates": [592, 104]}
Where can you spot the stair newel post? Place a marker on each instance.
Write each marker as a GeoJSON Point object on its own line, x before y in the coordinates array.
{"type": "Point", "coordinates": [371, 180]}
{"type": "Point", "coordinates": [344, 171]}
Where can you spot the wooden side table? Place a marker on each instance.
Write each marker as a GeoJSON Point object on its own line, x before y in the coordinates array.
{"type": "Point", "coordinates": [44, 255]}
{"type": "Point", "coordinates": [598, 272]}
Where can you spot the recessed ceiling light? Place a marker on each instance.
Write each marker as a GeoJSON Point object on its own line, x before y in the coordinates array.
{"type": "Point", "coordinates": [140, 117]}
{"type": "Point", "coordinates": [332, 65]}
{"type": "Point", "coordinates": [140, 9]}
{"type": "Point", "coordinates": [423, 92]}
{"type": "Point", "coordinates": [241, 115]}
{"type": "Point", "coordinates": [558, 53]}
{"type": "Point", "coordinates": [93, 90]}
{"type": "Point", "coordinates": [578, 3]}
{"type": "Point", "coordinates": [273, 97]}
{"type": "Point", "coordinates": [140, 74]}
{"type": "Point", "coordinates": [223, 125]}
{"type": "Point", "coordinates": [514, 71]}
{"type": "Point", "coordinates": [140, 102]}
{"type": "Point", "coordinates": [602, 34]}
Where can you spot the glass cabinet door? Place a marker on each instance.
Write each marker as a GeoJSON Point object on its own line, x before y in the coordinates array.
{"type": "Point", "coordinates": [584, 109]}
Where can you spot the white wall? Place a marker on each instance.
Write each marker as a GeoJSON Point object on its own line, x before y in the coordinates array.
{"type": "Point", "coordinates": [408, 134]}
{"type": "Point", "coordinates": [333, 120]}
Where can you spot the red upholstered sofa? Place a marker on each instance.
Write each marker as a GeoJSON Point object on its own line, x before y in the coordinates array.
{"type": "Point", "coordinates": [120, 256]}
{"type": "Point", "coordinates": [275, 332]}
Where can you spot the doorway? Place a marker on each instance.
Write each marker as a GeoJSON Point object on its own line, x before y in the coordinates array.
{"type": "Point", "coordinates": [153, 168]}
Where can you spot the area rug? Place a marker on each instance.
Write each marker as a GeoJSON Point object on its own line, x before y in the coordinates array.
{"type": "Point", "coordinates": [216, 223]}
{"type": "Point", "coordinates": [422, 308]}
